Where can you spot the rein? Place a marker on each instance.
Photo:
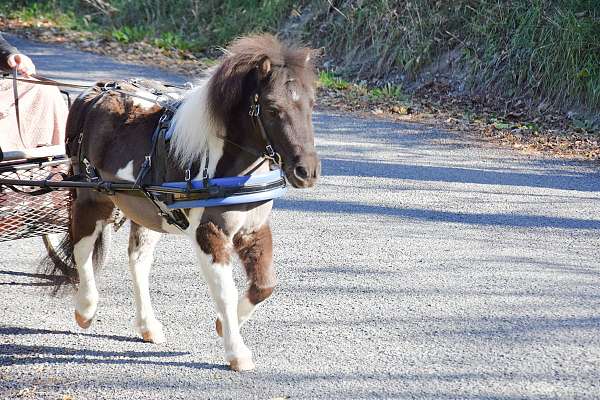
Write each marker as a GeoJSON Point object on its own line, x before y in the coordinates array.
{"type": "Point", "coordinates": [17, 112]}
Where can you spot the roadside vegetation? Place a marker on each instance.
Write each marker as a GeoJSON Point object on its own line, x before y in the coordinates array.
{"type": "Point", "coordinates": [531, 66]}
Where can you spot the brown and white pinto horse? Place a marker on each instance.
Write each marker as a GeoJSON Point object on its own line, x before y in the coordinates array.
{"type": "Point", "coordinates": [117, 132]}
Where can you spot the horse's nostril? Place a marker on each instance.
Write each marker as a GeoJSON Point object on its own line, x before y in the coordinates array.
{"type": "Point", "coordinates": [301, 172]}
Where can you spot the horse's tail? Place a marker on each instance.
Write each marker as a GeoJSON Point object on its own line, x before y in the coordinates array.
{"type": "Point", "coordinates": [59, 263]}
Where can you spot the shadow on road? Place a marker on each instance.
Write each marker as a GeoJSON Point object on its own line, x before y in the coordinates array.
{"type": "Point", "coordinates": [47, 280]}
{"type": "Point", "coordinates": [15, 330]}
{"type": "Point", "coordinates": [17, 355]}
{"type": "Point", "coordinates": [588, 182]}
{"type": "Point", "coordinates": [509, 220]}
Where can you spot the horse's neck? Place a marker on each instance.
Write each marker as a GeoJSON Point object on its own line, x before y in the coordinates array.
{"type": "Point", "coordinates": [241, 147]}
{"type": "Point", "coordinates": [196, 132]}
{"type": "Point", "coordinates": [230, 146]}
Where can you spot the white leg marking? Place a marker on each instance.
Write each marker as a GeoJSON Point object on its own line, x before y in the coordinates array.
{"type": "Point", "coordinates": [142, 242]}
{"type": "Point", "coordinates": [126, 173]}
{"type": "Point", "coordinates": [245, 310]}
{"type": "Point", "coordinates": [220, 281]}
{"type": "Point", "coordinates": [86, 298]}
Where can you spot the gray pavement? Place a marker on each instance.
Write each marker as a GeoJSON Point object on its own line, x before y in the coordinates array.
{"type": "Point", "coordinates": [425, 265]}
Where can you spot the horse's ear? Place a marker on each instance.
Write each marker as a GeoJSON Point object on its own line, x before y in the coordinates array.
{"type": "Point", "coordinates": [264, 68]}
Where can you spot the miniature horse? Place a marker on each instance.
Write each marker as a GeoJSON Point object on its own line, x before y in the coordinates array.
{"type": "Point", "coordinates": [114, 132]}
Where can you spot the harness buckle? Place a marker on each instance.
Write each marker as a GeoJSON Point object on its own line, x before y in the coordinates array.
{"type": "Point", "coordinates": [205, 179]}
{"type": "Point", "coordinates": [270, 152]}
{"type": "Point", "coordinates": [88, 167]}
{"type": "Point", "coordinates": [164, 117]}
{"type": "Point", "coordinates": [110, 86]}
{"type": "Point", "coordinates": [148, 161]}
{"type": "Point", "coordinates": [254, 110]}
{"type": "Point", "coordinates": [188, 175]}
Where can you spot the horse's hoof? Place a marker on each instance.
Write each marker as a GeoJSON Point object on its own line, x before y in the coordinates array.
{"type": "Point", "coordinates": [241, 364]}
{"type": "Point", "coordinates": [153, 337]}
{"type": "Point", "coordinates": [82, 322]}
{"type": "Point", "coordinates": [219, 327]}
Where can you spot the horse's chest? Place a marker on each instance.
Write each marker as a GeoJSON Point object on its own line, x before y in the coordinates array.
{"type": "Point", "coordinates": [246, 218]}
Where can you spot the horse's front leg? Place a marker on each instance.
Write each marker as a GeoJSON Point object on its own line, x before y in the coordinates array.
{"type": "Point", "coordinates": [214, 252]}
{"type": "Point", "coordinates": [142, 242]}
{"type": "Point", "coordinates": [255, 250]}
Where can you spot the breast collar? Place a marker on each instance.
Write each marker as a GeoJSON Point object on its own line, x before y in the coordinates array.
{"type": "Point", "coordinates": [170, 198]}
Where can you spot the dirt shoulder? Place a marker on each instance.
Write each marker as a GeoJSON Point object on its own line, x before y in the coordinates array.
{"type": "Point", "coordinates": [514, 123]}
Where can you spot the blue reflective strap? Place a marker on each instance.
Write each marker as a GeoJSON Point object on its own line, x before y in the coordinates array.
{"type": "Point", "coordinates": [231, 200]}
{"type": "Point", "coordinates": [232, 181]}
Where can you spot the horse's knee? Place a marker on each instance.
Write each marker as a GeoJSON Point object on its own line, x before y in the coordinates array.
{"type": "Point", "coordinates": [258, 294]}
{"type": "Point", "coordinates": [213, 241]}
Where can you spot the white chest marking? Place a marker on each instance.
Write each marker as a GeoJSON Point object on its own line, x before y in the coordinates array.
{"type": "Point", "coordinates": [126, 173]}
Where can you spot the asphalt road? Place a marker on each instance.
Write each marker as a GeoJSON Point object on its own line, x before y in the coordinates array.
{"type": "Point", "coordinates": [425, 265]}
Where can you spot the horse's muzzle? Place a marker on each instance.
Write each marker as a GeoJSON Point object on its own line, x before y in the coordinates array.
{"type": "Point", "coordinates": [305, 172]}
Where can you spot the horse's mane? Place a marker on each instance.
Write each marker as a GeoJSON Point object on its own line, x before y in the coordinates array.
{"type": "Point", "coordinates": [205, 109]}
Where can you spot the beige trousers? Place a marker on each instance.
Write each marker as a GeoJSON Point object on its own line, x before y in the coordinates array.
{"type": "Point", "coordinates": [43, 114]}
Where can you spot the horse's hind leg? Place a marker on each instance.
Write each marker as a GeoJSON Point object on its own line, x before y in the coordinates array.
{"type": "Point", "coordinates": [88, 220]}
{"type": "Point", "coordinates": [212, 247]}
{"type": "Point", "coordinates": [142, 242]}
{"type": "Point", "coordinates": [256, 253]}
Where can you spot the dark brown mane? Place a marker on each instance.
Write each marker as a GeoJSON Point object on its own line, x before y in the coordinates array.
{"type": "Point", "coordinates": [244, 55]}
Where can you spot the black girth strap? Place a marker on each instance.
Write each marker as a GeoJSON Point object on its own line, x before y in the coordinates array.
{"type": "Point", "coordinates": [154, 168]}
{"type": "Point", "coordinates": [158, 153]}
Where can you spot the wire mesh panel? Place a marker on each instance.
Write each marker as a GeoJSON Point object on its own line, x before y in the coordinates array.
{"type": "Point", "coordinates": [23, 215]}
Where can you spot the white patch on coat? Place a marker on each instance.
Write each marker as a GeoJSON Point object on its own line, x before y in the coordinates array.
{"type": "Point", "coordinates": [219, 278]}
{"type": "Point", "coordinates": [141, 255]}
{"type": "Point", "coordinates": [195, 129]}
{"type": "Point", "coordinates": [142, 102]}
{"type": "Point", "coordinates": [126, 173]}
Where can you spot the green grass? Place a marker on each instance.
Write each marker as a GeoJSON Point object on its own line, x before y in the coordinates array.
{"type": "Point", "coordinates": [391, 92]}
{"type": "Point", "coordinates": [388, 91]}
{"type": "Point", "coordinates": [330, 81]}
{"type": "Point", "coordinates": [538, 48]}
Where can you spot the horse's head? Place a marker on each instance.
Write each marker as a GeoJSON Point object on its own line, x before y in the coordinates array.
{"type": "Point", "coordinates": [282, 82]}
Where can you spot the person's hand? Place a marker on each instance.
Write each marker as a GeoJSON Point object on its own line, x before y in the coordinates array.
{"type": "Point", "coordinates": [23, 63]}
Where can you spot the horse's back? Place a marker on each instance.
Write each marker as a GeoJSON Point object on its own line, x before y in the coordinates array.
{"type": "Point", "coordinates": [111, 125]}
